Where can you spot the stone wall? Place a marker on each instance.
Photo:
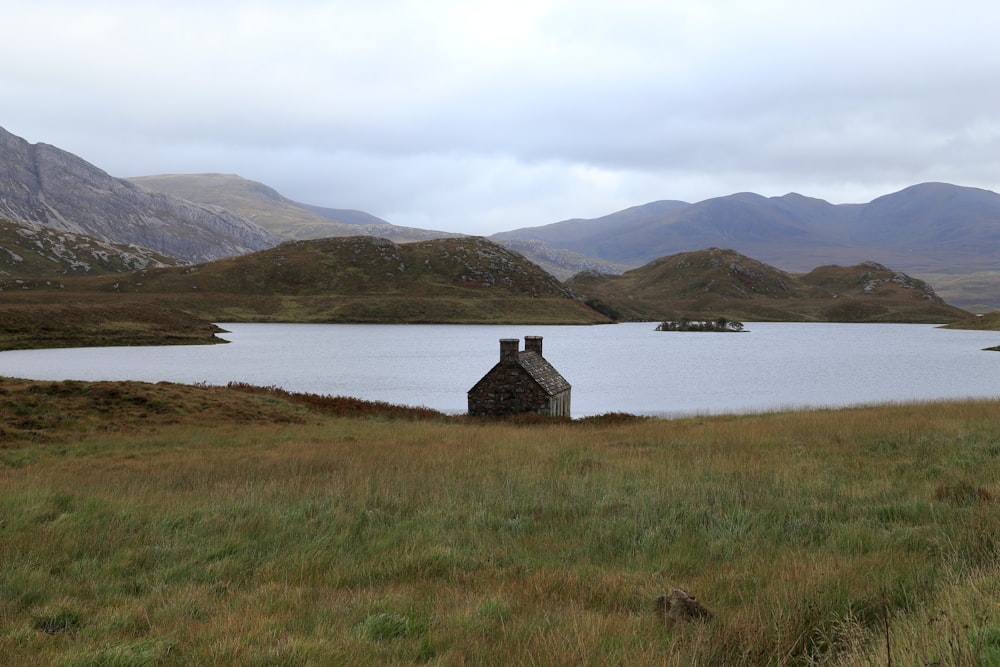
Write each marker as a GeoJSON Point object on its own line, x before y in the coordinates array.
{"type": "Point", "coordinates": [506, 390]}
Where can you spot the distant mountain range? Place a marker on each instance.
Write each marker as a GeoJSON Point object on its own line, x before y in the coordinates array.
{"type": "Point", "coordinates": [946, 234]}
{"type": "Point", "coordinates": [927, 229]}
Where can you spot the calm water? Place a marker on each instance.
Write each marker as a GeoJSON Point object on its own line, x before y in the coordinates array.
{"type": "Point", "coordinates": [625, 367]}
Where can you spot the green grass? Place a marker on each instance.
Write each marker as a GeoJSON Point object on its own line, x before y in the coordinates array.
{"type": "Point", "coordinates": [254, 527]}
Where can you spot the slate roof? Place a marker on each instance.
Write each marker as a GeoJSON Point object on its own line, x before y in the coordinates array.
{"type": "Point", "coordinates": [542, 372]}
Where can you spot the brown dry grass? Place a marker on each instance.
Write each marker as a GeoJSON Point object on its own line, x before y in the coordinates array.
{"type": "Point", "coordinates": [44, 325]}
{"type": "Point", "coordinates": [251, 527]}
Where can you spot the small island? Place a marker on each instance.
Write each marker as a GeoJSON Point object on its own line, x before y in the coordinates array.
{"type": "Point", "coordinates": [684, 324]}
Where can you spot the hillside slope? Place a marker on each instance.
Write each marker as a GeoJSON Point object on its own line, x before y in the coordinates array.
{"type": "Point", "coordinates": [273, 211]}
{"type": "Point", "coordinates": [351, 279]}
{"type": "Point", "coordinates": [713, 283]}
{"type": "Point", "coordinates": [41, 184]}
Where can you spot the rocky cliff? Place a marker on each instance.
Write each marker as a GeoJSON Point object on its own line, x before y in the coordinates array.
{"type": "Point", "coordinates": [44, 185]}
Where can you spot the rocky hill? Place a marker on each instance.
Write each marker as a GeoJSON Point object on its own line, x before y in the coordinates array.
{"type": "Point", "coordinates": [713, 283]}
{"type": "Point", "coordinates": [30, 251]}
{"type": "Point", "coordinates": [350, 279]}
{"type": "Point", "coordinates": [43, 185]}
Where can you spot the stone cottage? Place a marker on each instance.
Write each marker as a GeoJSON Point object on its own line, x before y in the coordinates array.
{"type": "Point", "coordinates": [522, 381]}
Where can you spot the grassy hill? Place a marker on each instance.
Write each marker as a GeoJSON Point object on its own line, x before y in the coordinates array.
{"type": "Point", "coordinates": [254, 201]}
{"type": "Point", "coordinates": [170, 525]}
{"type": "Point", "coordinates": [714, 283]}
{"type": "Point", "coordinates": [458, 280]}
{"type": "Point", "coordinates": [465, 280]}
{"type": "Point", "coordinates": [275, 212]}
{"type": "Point", "coordinates": [351, 279]}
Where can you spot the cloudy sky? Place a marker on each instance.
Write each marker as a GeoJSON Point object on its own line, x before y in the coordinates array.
{"type": "Point", "coordinates": [480, 117]}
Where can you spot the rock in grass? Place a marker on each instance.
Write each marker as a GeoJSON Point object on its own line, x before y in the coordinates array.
{"type": "Point", "coordinates": [680, 606]}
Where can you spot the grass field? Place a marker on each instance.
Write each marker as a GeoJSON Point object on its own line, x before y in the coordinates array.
{"type": "Point", "coordinates": [167, 525]}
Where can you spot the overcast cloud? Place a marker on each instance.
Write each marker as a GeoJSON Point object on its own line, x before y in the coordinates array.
{"type": "Point", "coordinates": [480, 117]}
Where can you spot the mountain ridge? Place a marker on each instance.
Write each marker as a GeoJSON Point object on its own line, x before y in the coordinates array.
{"type": "Point", "coordinates": [928, 229]}
{"type": "Point", "coordinates": [278, 214]}
{"type": "Point", "coordinates": [926, 213]}
{"type": "Point", "coordinates": [45, 185]}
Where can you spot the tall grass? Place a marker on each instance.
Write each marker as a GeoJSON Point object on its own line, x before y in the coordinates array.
{"type": "Point", "coordinates": [828, 537]}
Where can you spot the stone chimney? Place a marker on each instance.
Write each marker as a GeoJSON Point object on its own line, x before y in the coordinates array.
{"type": "Point", "coordinates": [508, 347]}
{"type": "Point", "coordinates": [533, 344]}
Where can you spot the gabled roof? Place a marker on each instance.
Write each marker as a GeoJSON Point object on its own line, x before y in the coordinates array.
{"type": "Point", "coordinates": [542, 372]}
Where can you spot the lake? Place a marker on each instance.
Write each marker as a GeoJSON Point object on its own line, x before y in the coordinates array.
{"type": "Point", "coordinates": [612, 368]}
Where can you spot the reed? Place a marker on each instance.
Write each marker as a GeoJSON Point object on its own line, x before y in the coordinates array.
{"type": "Point", "coordinates": [814, 538]}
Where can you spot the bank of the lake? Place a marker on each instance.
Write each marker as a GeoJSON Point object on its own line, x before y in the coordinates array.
{"type": "Point", "coordinates": [33, 326]}
{"type": "Point", "coordinates": [615, 368]}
